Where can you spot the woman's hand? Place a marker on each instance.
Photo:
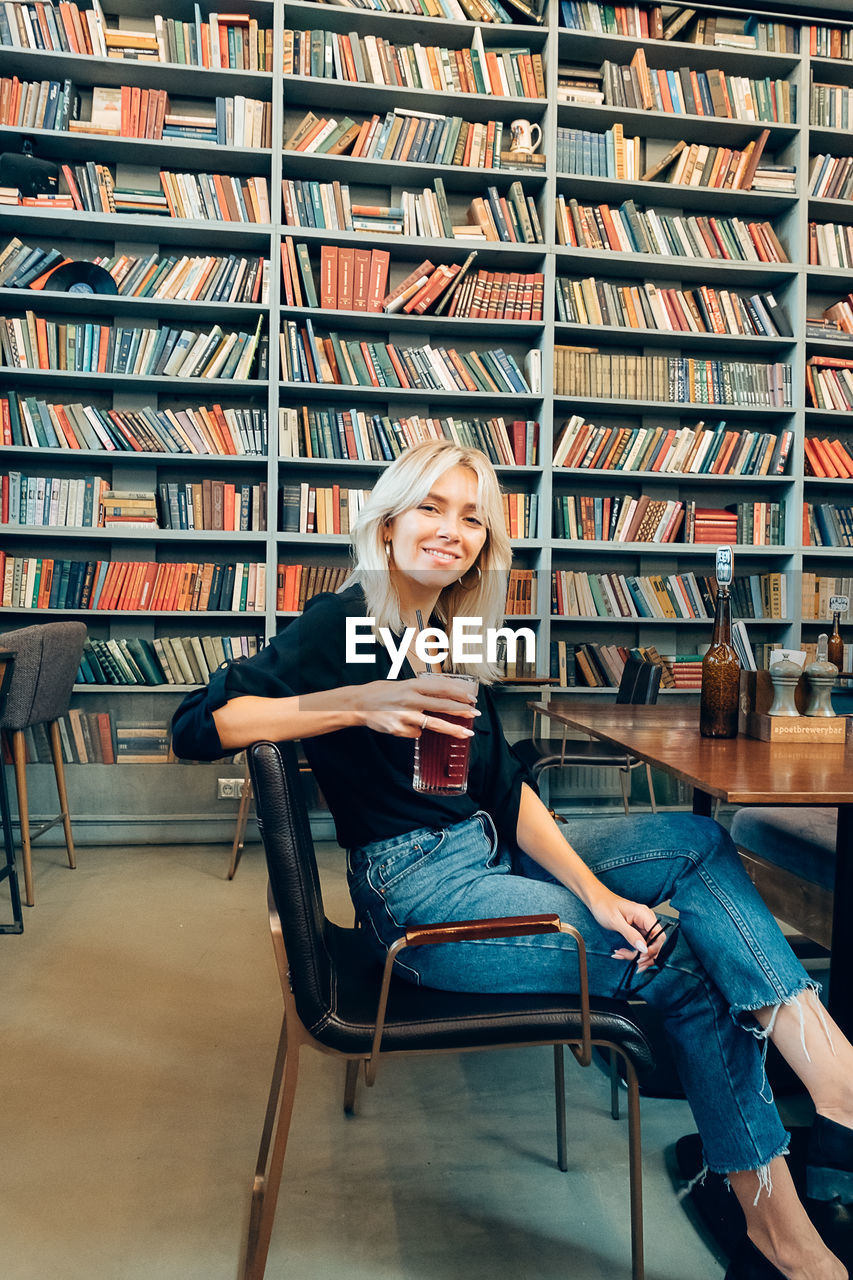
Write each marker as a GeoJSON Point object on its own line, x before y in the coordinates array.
{"type": "Point", "coordinates": [632, 920]}
{"type": "Point", "coordinates": [406, 707]}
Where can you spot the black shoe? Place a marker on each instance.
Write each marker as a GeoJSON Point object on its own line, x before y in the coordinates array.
{"type": "Point", "coordinates": [748, 1263]}
{"type": "Point", "coordinates": [829, 1165]}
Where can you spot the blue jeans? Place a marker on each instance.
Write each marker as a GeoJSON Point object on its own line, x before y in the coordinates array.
{"type": "Point", "coordinates": [730, 957]}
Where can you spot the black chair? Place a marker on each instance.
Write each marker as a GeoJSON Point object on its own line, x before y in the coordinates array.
{"type": "Point", "coordinates": [339, 1000]}
{"type": "Point", "coordinates": [8, 871]}
{"type": "Point", "coordinates": [639, 686]}
{"type": "Point", "coordinates": [47, 657]}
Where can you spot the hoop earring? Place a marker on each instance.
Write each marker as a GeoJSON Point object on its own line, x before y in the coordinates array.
{"type": "Point", "coordinates": [474, 585]}
{"type": "Point", "coordinates": [388, 550]}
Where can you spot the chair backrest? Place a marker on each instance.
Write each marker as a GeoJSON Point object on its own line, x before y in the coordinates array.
{"type": "Point", "coordinates": [294, 879]}
{"type": "Point", "coordinates": [47, 658]}
{"type": "Point", "coordinates": [640, 683]}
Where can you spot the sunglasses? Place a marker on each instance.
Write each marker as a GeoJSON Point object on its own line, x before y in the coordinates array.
{"type": "Point", "coordinates": [633, 980]}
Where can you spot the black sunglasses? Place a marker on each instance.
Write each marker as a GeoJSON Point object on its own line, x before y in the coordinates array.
{"type": "Point", "coordinates": [632, 980]}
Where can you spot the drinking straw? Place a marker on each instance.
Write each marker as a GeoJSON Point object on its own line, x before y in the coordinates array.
{"type": "Point", "coordinates": [420, 628]}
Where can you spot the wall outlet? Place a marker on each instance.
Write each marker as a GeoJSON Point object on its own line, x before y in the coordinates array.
{"type": "Point", "coordinates": [229, 788]}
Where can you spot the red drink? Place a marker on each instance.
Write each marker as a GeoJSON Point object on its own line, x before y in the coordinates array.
{"type": "Point", "coordinates": [441, 762]}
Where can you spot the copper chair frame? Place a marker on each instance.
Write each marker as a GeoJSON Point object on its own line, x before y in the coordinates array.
{"type": "Point", "coordinates": [295, 1035]}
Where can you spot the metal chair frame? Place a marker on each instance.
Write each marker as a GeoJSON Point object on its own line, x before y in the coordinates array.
{"type": "Point", "coordinates": [8, 871]}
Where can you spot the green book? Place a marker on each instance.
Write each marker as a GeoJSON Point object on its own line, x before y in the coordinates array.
{"type": "Point", "coordinates": [443, 209]}
{"type": "Point", "coordinates": [307, 275]}
{"type": "Point", "coordinates": [338, 132]}
{"type": "Point", "coordinates": [358, 364]}
{"type": "Point", "coordinates": [451, 140]}
{"type": "Point", "coordinates": [380, 355]}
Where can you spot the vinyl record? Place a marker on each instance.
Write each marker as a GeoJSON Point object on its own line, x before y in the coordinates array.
{"type": "Point", "coordinates": [82, 277]}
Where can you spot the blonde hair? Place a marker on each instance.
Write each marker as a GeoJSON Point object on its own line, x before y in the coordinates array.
{"type": "Point", "coordinates": [405, 484]}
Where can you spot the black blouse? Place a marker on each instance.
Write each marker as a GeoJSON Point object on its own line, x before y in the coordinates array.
{"type": "Point", "coordinates": [365, 776]}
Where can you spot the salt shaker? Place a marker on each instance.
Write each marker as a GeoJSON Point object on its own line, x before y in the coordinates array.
{"type": "Point", "coordinates": [820, 675]}
{"type": "Point", "coordinates": [784, 676]}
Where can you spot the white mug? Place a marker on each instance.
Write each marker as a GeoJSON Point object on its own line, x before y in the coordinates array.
{"type": "Point", "coordinates": [522, 136]}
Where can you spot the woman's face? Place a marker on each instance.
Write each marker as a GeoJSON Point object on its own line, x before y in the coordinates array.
{"type": "Point", "coordinates": [439, 540]}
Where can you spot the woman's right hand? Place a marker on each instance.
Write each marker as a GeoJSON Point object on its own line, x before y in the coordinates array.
{"type": "Point", "coordinates": [406, 707]}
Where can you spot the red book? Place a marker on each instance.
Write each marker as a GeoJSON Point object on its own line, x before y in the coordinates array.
{"type": "Point", "coordinates": [377, 281]}
{"type": "Point", "coordinates": [346, 273]}
{"type": "Point", "coordinates": [329, 276]}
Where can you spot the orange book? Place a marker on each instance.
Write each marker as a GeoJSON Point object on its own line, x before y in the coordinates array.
{"type": "Point", "coordinates": [132, 584]}
{"type": "Point", "coordinates": [172, 586]}
{"type": "Point", "coordinates": [68, 24]}
{"type": "Point", "coordinates": [397, 364]}
{"type": "Point", "coordinates": [216, 420]}
{"type": "Point", "coordinates": [610, 229]}
{"type": "Point", "coordinates": [580, 445]}
{"type": "Point", "coordinates": [107, 587]}
{"type": "Point", "coordinates": [45, 584]}
{"type": "Point", "coordinates": [206, 584]}
{"type": "Point", "coordinates": [470, 384]}
{"type": "Point", "coordinates": [221, 198]}
{"type": "Point", "coordinates": [605, 440]}
{"type": "Point", "coordinates": [161, 581]}
{"type": "Point", "coordinates": [228, 508]}
{"type": "Point", "coordinates": [41, 342]}
{"type": "Point", "coordinates": [842, 459]}
{"type": "Point", "coordinates": [730, 441]}
{"type": "Point", "coordinates": [494, 74]}
{"type": "Point", "coordinates": [65, 427]}
{"type": "Point", "coordinates": [814, 461]}
{"type": "Point", "coordinates": [368, 360]}
{"type": "Point", "coordinates": [830, 469]}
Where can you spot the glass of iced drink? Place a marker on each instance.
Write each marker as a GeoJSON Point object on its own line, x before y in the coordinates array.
{"type": "Point", "coordinates": [441, 762]}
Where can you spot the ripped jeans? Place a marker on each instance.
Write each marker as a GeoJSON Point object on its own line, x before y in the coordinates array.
{"type": "Point", "coordinates": [730, 956]}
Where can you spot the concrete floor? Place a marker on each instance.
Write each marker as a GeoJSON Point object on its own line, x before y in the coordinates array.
{"type": "Point", "coordinates": [139, 1019]}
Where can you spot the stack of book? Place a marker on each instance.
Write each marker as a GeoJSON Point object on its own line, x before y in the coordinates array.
{"type": "Point", "coordinates": [649, 306]}
{"type": "Point", "coordinates": [675, 595]}
{"type": "Point", "coordinates": [52, 501]}
{"type": "Point", "coordinates": [521, 514]}
{"type": "Point", "coordinates": [836, 321]}
{"type": "Point", "coordinates": [580, 84]}
{"type": "Point", "coordinates": [368, 59]}
{"type": "Point", "coordinates": [28, 421]}
{"type": "Point", "coordinates": [296, 583]}
{"type": "Point", "coordinates": [521, 592]}
{"type": "Point", "coordinates": [688, 450]}
{"type": "Point", "coordinates": [831, 177]}
{"type": "Point", "coordinates": [584, 371]}
{"type": "Point", "coordinates": [354, 434]}
{"type": "Point", "coordinates": [700, 93]}
{"type": "Point", "coordinates": [681, 23]}
{"type": "Point", "coordinates": [213, 504]}
{"type": "Point", "coordinates": [829, 382]}
{"type": "Point", "coordinates": [164, 660]}
{"type": "Point", "coordinates": [830, 245]}
{"type": "Point", "coordinates": [828, 459]}
{"type": "Point", "coordinates": [143, 744]}
{"type": "Point", "coordinates": [831, 42]}
{"type": "Point", "coordinates": [617, 519]}
{"type": "Point", "coordinates": [632, 230]}
{"type": "Point", "coordinates": [308, 508]}
{"type": "Point", "coordinates": [31, 342]}
{"type": "Point", "coordinates": [307, 357]}
{"type": "Point", "coordinates": [818, 590]}
{"type": "Point", "coordinates": [129, 509]}
{"type": "Point", "coordinates": [827, 524]}
{"type": "Point", "coordinates": [30, 582]}
{"type": "Point", "coordinates": [711, 524]}
{"type": "Point", "coordinates": [686, 670]}
{"type": "Point", "coordinates": [599, 155]}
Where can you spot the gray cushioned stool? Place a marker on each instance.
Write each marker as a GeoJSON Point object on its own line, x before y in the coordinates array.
{"type": "Point", "coordinates": [46, 661]}
{"type": "Point", "coordinates": [789, 853]}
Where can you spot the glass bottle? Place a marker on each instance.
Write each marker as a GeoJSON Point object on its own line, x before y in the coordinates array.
{"type": "Point", "coordinates": [718, 711]}
{"type": "Point", "coordinates": [835, 647]}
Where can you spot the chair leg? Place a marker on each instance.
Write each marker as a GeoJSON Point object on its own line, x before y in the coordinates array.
{"type": "Point", "coordinates": [652, 799]}
{"type": "Point", "coordinates": [59, 770]}
{"type": "Point", "coordinates": [560, 1097]}
{"type": "Point", "coordinates": [614, 1085]}
{"type": "Point", "coordinates": [635, 1167]}
{"type": "Point", "coordinates": [270, 1161]}
{"type": "Point", "coordinates": [351, 1084]}
{"type": "Point", "coordinates": [625, 781]}
{"type": "Point", "coordinates": [19, 755]}
{"type": "Point", "coordinates": [9, 871]}
{"type": "Point", "coordinates": [242, 822]}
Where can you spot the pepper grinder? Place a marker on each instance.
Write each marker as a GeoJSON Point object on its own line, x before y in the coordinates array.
{"type": "Point", "coordinates": [784, 676]}
{"type": "Point", "coordinates": [820, 675]}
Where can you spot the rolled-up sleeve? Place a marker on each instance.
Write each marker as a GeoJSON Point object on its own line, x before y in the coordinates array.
{"type": "Point", "coordinates": [304, 658]}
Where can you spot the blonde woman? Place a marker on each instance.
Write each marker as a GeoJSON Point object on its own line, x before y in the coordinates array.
{"type": "Point", "coordinates": [430, 544]}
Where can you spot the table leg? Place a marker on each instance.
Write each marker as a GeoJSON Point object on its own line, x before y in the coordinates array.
{"type": "Point", "coordinates": [702, 803]}
{"type": "Point", "coordinates": [840, 985]}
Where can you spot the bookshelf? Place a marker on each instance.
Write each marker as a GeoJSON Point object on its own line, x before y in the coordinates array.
{"type": "Point", "coordinates": [803, 287]}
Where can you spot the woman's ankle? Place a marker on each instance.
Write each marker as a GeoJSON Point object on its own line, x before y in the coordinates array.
{"type": "Point", "coordinates": [798, 1260]}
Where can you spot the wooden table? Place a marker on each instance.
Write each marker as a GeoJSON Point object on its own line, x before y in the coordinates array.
{"type": "Point", "coordinates": [738, 771]}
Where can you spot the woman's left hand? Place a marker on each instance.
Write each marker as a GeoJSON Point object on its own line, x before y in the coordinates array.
{"type": "Point", "coordinates": [632, 920]}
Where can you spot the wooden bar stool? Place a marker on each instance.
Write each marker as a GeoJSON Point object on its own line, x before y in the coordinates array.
{"type": "Point", "coordinates": [47, 658]}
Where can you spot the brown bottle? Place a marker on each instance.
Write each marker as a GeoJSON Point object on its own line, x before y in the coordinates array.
{"type": "Point", "coordinates": [835, 648]}
{"type": "Point", "coordinates": [718, 710]}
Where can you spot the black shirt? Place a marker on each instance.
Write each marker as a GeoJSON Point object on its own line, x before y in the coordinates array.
{"type": "Point", "coordinates": [365, 776]}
